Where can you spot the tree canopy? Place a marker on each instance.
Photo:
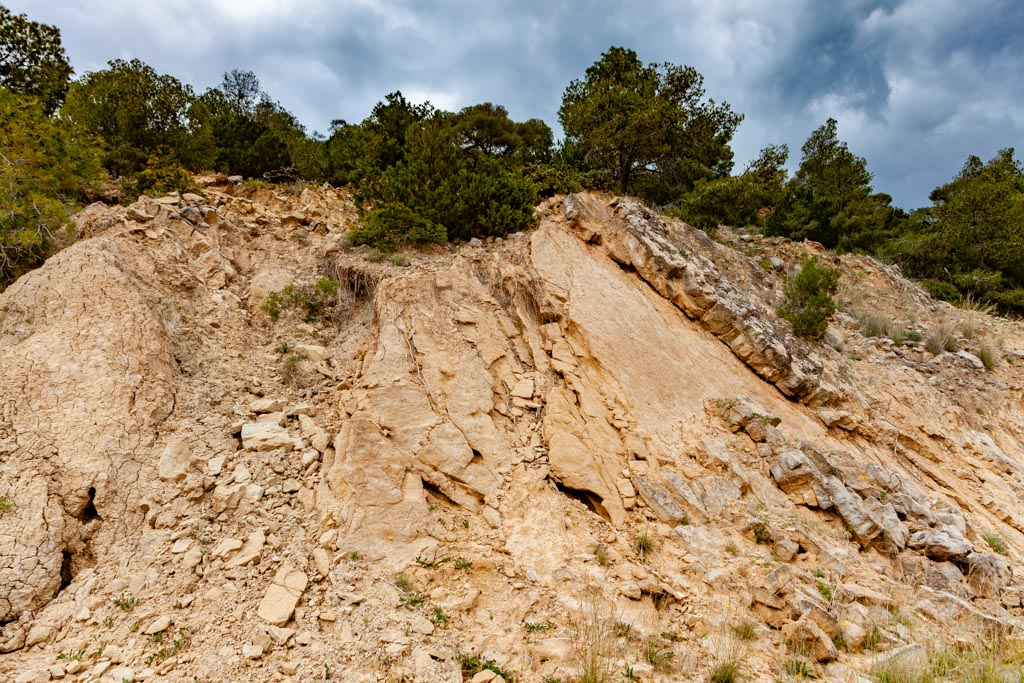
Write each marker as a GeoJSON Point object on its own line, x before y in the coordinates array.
{"type": "Point", "coordinates": [647, 126]}
{"type": "Point", "coordinates": [46, 168]}
{"type": "Point", "coordinates": [138, 114]}
{"type": "Point", "coordinates": [830, 199]}
{"type": "Point", "coordinates": [32, 59]}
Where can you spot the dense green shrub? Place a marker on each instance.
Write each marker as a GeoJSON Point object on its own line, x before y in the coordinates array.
{"type": "Point", "coordinates": [46, 168]}
{"type": "Point", "coordinates": [808, 303]}
{"type": "Point", "coordinates": [161, 175]}
{"type": "Point", "coordinates": [392, 226]}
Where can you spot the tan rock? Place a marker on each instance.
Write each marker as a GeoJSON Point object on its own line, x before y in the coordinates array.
{"type": "Point", "coordinates": [249, 551]}
{"type": "Point", "coordinates": [282, 596]}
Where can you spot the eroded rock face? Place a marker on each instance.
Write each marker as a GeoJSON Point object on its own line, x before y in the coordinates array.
{"type": "Point", "coordinates": [86, 373]}
{"type": "Point", "coordinates": [676, 262]}
{"type": "Point", "coordinates": [503, 423]}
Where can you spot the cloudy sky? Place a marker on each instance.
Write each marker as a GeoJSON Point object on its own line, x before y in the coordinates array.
{"type": "Point", "coordinates": [916, 85]}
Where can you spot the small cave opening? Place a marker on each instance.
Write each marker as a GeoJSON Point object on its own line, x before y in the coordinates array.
{"type": "Point", "coordinates": [438, 494]}
{"type": "Point", "coordinates": [66, 573]}
{"type": "Point", "coordinates": [89, 512]}
{"type": "Point", "coordinates": [477, 458]}
{"type": "Point", "coordinates": [593, 501]}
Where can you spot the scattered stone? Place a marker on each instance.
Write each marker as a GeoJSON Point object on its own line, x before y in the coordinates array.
{"type": "Point", "coordinates": [267, 405]}
{"type": "Point", "coordinates": [249, 551]}
{"type": "Point", "coordinates": [252, 651]}
{"type": "Point", "coordinates": [174, 460]}
{"type": "Point", "coordinates": [422, 625]}
{"type": "Point", "coordinates": [282, 596]}
{"type": "Point", "coordinates": [806, 636]}
{"type": "Point", "coordinates": [266, 437]}
{"type": "Point", "coordinates": [161, 623]}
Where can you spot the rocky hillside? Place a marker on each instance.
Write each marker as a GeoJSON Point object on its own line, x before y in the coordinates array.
{"type": "Point", "coordinates": [588, 452]}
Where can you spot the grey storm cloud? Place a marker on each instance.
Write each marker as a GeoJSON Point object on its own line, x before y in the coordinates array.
{"type": "Point", "coordinates": [916, 85]}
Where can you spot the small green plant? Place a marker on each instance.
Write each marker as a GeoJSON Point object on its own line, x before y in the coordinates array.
{"type": "Point", "coordinates": [134, 626]}
{"type": "Point", "coordinates": [644, 544]}
{"type": "Point", "coordinates": [629, 675]}
{"type": "Point", "coordinates": [657, 656]}
{"type": "Point", "coordinates": [127, 604]}
{"type": "Point", "coordinates": [725, 672]}
{"type": "Point", "coordinates": [72, 655]}
{"type": "Point", "coordinates": [601, 554]}
{"type": "Point", "coordinates": [671, 636]}
{"type": "Point", "coordinates": [290, 367]}
{"type": "Point", "coordinates": [439, 617]}
{"type": "Point", "coordinates": [808, 300]}
{"type": "Point", "coordinates": [762, 535]}
{"type": "Point", "coordinates": [819, 573]}
{"type": "Point", "coordinates": [995, 542]}
{"type": "Point", "coordinates": [826, 589]}
{"type": "Point", "coordinates": [281, 348]}
{"type": "Point", "coordinates": [5, 505]}
{"type": "Point", "coordinates": [108, 623]}
{"type": "Point", "coordinates": [873, 638]}
{"type": "Point", "coordinates": [732, 549]}
{"type": "Point", "coordinates": [797, 668]}
{"type": "Point", "coordinates": [463, 565]}
{"type": "Point", "coordinates": [988, 356]}
{"type": "Point", "coordinates": [399, 260]}
{"type": "Point", "coordinates": [623, 630]}
{"type": "Point", "coordinates": [353, 556]}
{"type": "Point", "coordinates": [538, 626]}
{"type": "Point", "coordinates": [182, 640]}
{"type": "Point", "coordinates": [745, 630]}
{"type": "Point", "coordinates": [430, 565]}
{"type": "Point", "coordinates": [311, 300]}
{"type": "Point", "coordinates": [940, 339]}
{"type": "Point", "coordinates": [403, 582]}
{"type": "Point", "coordinates": [414, 599]}
{"type": "Point", "coordinates": [472, 665]}
{"type": "Point", "coordinates": [157, 637]}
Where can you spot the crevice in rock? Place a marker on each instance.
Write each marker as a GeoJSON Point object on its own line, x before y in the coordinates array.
{"type": "Point", "coordinates": [433, 490]}
{"type": "Point", "coordinates": [588, 498]}
{"type": "Point", "coordinates": [66, 573]}
{"type": "Point", "coordinates": [89, 512]}
{"type": "Point", "coordinates": [477, 458]}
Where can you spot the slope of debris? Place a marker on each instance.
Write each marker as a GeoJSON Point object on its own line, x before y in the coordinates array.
{"type": "Point", "coordinates": [590, 445]}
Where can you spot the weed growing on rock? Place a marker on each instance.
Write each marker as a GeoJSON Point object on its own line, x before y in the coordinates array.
{"type": "Point", "coordinates": [414, 599]}
{"type": "Point", "coordinates": [463, 565]}
{"type": "Point", "coordinates": [995, 542]}
{"type": "Point", "coordinates": [127, 604]}
{"type": "Point", "coordinates": [940, 339]}
{"type": "Point", "coordinates": [745, 630]}
{"type": "Point", "coordinates": [439, 618]}
{"type": "Point", "coordinates": [725, 672]}
{"type": "Point", "coordinates": [644, 544]}
{"type": "Point", "coordinates": [472, 664]}
{"type": "Point", "coordinates": [988, 356]}
{"type": "Point", "coordinates": [657, 656]}
{"type": "Point", "coordinates": [538, 627]}
{"type": "Point", "coordinates": [5, 505]}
